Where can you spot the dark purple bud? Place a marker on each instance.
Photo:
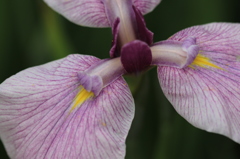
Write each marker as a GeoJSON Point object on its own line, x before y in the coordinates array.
{"type": "Point", "coordinates": [136, 56]}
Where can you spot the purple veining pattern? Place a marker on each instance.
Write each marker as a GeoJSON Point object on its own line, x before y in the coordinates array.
{"type": "Point", "coordinates": [209, 98]}
{"type": "Point", "coordinates": [92, 12]}
{"type": "Point", "coordinates": [146, 6]}
{"type": "Point", "coordinates": [35, 117]}
{"type": "Point", "coordinates": [83, 12]}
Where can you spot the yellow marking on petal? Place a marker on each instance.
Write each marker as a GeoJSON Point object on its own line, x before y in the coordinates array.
{"type": "Point", "coordinates": [104, 124]}
{"type": "Point", "coordinates": [203, 61]}
{"type": "Point", "coordinates": [238, 58]}
{"type": "Point", "coordinates": [80, 98]}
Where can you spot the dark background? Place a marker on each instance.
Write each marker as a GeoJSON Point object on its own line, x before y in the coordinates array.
{"type": "Point", "coordinates": [32, 34]}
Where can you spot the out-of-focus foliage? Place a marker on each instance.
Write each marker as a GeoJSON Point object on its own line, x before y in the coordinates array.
{"type": "Point", "coordinates": [32, 34]}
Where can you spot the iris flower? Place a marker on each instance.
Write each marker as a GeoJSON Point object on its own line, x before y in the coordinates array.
{"type": "Point", "coordinates": [81, 107]}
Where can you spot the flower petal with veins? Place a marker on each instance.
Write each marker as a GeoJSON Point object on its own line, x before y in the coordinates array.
{"type": "Point", "coordinates": [92, 12]}
{"type": "Point", "coordinates": [146, 6]}
{"type": "Point", "coordinates": [207, 94]}
{"type": "Point", "coordinates": [37, 121]}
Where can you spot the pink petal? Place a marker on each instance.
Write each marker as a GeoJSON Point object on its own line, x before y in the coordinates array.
{"type": "Point", "coordinates": [92, 12]}
{"type": "Point", "coordinates": [146, 6]}
{"type": "Point", "coordinates": [208, 97]}
{"type": "Point", "coordinates": [36, 121]}
{"type": "Point", "coordinates": [83, 12]}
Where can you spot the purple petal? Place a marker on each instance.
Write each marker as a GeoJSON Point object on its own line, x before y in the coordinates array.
{"type": "Point", "coordinates": [143, 33]}
{"type": "Point", "coordinates": [83, 12]}
{"type": "Point", "coordinates": [116, 49]}
{"type": "Point", "coordinates": [146, 6]}
{"type": "Point", "coordinates": [207, 92]}
{"type": "Point", "coordinates": [136, 56]}
{"type": "Point", "coordinates": [36, 120]}
{"type": "Point", "coordinates": [92, 12]}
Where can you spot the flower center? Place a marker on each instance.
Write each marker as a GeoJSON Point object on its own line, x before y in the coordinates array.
{"type": "Point", "coordinates": [136, 56]}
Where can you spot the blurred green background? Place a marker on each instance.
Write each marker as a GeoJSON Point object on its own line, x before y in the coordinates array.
{"type": "Point", "coordinates": [32, 34]}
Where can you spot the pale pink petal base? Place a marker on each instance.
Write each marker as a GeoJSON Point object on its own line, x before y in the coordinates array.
{"type": "Point", "coordinates": [209, 98]}
{"type": "Point", "coordinates": [36, 120]}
